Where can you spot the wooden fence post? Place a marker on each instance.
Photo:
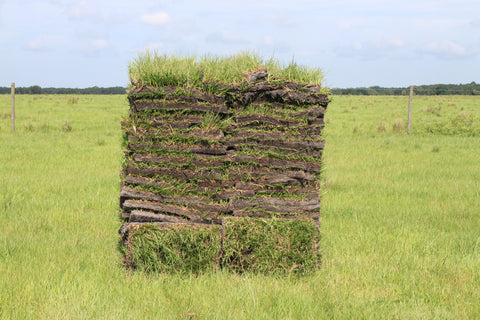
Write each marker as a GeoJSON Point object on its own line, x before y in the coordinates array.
{"type": "Point", "coordinates": [410, 110]}
{"type": "Point", "coordinates": [13, 107]}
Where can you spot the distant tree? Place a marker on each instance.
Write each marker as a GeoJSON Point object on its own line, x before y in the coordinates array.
{"type": "Point", "coordinates": [471, 88]}
{"type": "Point", "coordinates": [435, 89]}
{"type": "Point", "coordinates": [38, 90]}
{"type": "Point", "coordinates": [35, 90]}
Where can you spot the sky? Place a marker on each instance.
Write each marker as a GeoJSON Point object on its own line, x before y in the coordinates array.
{"type": "Point", "coordinates": [85, 43]}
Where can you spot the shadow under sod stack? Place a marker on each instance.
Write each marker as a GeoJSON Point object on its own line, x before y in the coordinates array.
{"type": "Point", "coordinates": [223, 177]}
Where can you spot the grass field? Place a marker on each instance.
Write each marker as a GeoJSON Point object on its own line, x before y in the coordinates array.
{"type": "Point", "coordinates": [400, 219]}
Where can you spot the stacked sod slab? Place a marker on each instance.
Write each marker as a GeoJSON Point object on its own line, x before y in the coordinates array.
{"type": "Point", "coordinates": [222, 165]}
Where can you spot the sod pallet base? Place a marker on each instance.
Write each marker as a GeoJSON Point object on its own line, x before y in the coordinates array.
{"type": "Point", "coordinates": [256, 245]}
{"type": "Point", "coordinates": [207, 157]}
{"type": "Point", "coordinates": [173, 247]}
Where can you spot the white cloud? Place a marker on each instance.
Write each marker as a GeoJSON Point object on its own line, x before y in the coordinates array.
{"type": "Point", "coordinates": [272, 45]}
{"type": "Point", "coordinates": [37, 44]}
{"type": "Point", "coordinates": [446, 49]}
{"type": "Point", "coordinates": [475, 22]}
{"type": "Point", "coordinates": [395, 43]}
{"type": "Point", "coordinates": [225, 37]}
{"type": "Point", "coordinates": [353, 23]}
{"type": "Point", "coordinates": [98, 44]}
{"type": "Point", "coordinates": [94, 46]}
{"type": "Point", "coordinates": [284, 20]}
{"type": "Point", "coordinates": [269, 41]}
{"type": "Point", "coordinates": [357, 45]}
{"type": "Point", "coordinates": [84, 11]}
{"type": "Point", "coordinates": [156, 18]}
{"type": "Point", "coordinates": [371, 49]}
{"type": "Point", "coordinates": [154, 46]}
{"type": "Point", "coordinates": [91, 32]}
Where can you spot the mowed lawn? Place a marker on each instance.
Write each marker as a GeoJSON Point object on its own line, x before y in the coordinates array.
{"type": "Point", "coordinates": [400, 219]}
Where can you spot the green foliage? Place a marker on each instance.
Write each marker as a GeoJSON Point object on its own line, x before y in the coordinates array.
{"type": "Point", "coordinates": [179, 248]}
{"type": "Point", "coordinates": [154, 69]}
{"type": "Point", "coordinates": [214, 121]}
{"type": "Point", "coordinates": [73, 100]}
{"type": "Point", "coordinates": [270, 246]}
{"type": "Point", "coordinates": [462, 124]}
{"type": "Point", "coordinates": [436, 110]}
{"type": "Point", "coordinates": [398, 126]}
{"type": "Point", "coordinates": [66, 127]}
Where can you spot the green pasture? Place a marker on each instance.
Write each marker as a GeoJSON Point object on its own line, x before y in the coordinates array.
{"type": "Point", "coordinates": [400, 223]}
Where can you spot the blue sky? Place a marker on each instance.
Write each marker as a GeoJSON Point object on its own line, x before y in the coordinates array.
{"type": "Point", "coordinates": [83, 43]}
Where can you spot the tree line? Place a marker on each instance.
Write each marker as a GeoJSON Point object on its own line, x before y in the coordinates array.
{"type": "Point", "coordinates": [40, 90]}
{"type": "Point", "coordinates": [430, 90]}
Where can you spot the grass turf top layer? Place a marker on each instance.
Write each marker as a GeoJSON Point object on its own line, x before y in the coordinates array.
{"type": "Point", "coordinates": [154, 69]}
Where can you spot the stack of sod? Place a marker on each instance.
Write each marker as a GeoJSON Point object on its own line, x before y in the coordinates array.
{"type": "Point", "coordinates": [223, 159]}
